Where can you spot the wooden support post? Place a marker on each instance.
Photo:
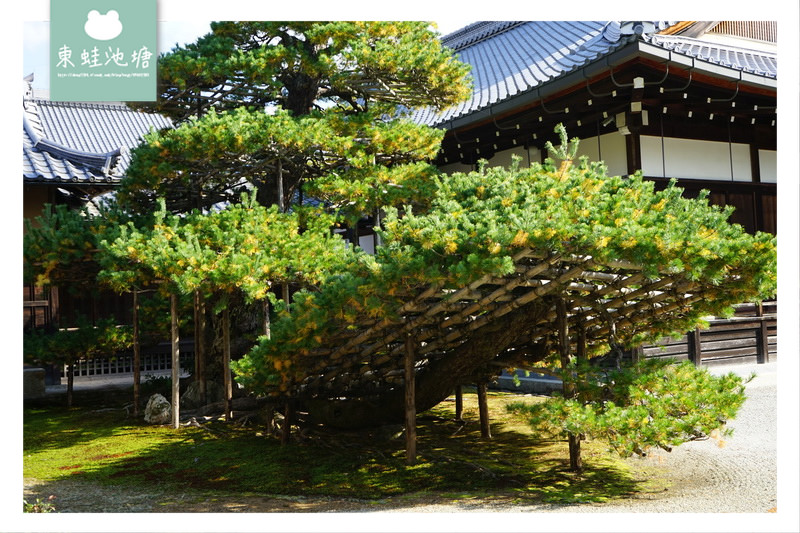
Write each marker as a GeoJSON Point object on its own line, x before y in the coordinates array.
{"type": "Point", "coordinates": [288, 419]}
{"type": "Point", "coordinates": [763, 337]}
{"type": "Point", "coordinates": [137, 355]}
{"type": "Point", "coordinates": [70, 382]}
{"type": "Point", "coordinates": [226, 362]}
{"type": "Point", "coordinates": [200, 346]}
{"type": "Point", "coordinates": [459, 403]}
{"type": "Point", "coordinates": [483, 410]}
{"type": "Point", "coordinates": [176, 363]}
{"type": "Point", "coordinates": [574, 440]}
{"type": "Point", "coordinates": [695, 348]}
{"type": "Point", "coordinates": [580, 355]}
{"type": "Point", "coordinates": [410, 403]}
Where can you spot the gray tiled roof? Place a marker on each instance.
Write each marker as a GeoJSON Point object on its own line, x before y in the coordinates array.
{"type": "Point", "coordinates": [755, 62]}
{"type": "Point", "coordinates": [509, 58]}
{"type": "Point", "coordinates": [64, 142]}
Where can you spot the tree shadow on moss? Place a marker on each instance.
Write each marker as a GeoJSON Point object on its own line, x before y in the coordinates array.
{"type": "Point", "coordinates": [453, 460]}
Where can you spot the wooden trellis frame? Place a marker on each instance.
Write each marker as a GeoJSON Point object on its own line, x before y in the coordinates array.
{"type": "Point", "coordinates": [441, 319]}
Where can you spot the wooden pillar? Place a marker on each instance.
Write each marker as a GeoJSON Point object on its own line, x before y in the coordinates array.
{"type": "Point", "coordinates": [285, 294]}
{"type": "Point", "coordinates": [637, 354]}
{"type": "Point", "coordinates": [226, 362]}
{"type": "Point", "coordinates": [176, 364]}
{"type": "Point", "coordinates": [762, 336]}
{"type": "Point", "coordinates": [137, 355]}
{"type": "Point", "coordinates": [483, 410]}
{"type": "Point", "coordinates": [634, 152]}
{"type": "Point", "coordinates": [267, 322]}
{"type": "Point", "coordinates": [410, 403]}
{"type": "Point", "coordinates": [376, 225]}
{"type": "Point", "coordinates": [459, 403]}
{"type": "Point", "coordinates": [695, 348]}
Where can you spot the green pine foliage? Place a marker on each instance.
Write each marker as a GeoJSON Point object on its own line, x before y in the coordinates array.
{"type": "Point", "coordinates": [654, 403]}
{"type": "Point", "coordinates": [245, 247]}
{"type": "Point", "coordinates": [354, 163]}
{"type": "Point", "coordinates": [478, 220]}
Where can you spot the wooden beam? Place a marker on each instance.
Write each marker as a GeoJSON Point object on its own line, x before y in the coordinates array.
{"type": "Point", "coordinates": [176, 352]}
{"type": "Point", "coordinates": [410, 403]}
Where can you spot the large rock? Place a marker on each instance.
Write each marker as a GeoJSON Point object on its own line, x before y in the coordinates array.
{"type": "Point", "coordinates": [158, 410]}
{"type": "Point", "coordinates": [191, 398]}
{"type": "Point", "coordinates": [33, 383]}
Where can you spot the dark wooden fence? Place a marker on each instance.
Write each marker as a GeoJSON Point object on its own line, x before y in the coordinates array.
{"type": "Point", "coordinates": [750, 336]}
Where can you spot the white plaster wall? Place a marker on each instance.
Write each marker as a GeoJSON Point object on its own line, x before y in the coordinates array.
{"type": "Point", "coordinates": [688, 158]}
{"type": "Point", "coordinates": [367, 243]}
{"type": "Point", "coordinates": [768, 166]}
{"type": "Point", "coordinates": [503, 159]}
{"type": "Point", "coordinates": [456, 167]}
{"type": "Point", "coordinates": [611, 150]}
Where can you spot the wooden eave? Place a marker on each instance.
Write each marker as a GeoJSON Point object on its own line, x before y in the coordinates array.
{"type": "Point", "coordinates": [600, 91]}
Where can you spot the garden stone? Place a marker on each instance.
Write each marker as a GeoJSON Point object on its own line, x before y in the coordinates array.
{"type": "Point", "coordinates": [158, 410]}
{"type": "Point", "coordinates": [33, 383]}
{"type": "Point", "coordinates": [191, 398]}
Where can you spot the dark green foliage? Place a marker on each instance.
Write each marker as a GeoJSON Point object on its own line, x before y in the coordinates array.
{"type": "Point", "coordinates": [68, 345]}
{"type": "Point", "coordinates": [297, 105]}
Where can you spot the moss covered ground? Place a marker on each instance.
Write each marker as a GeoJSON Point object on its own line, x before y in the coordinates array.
{"type": "Point", "coordinates": [99, 443]}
